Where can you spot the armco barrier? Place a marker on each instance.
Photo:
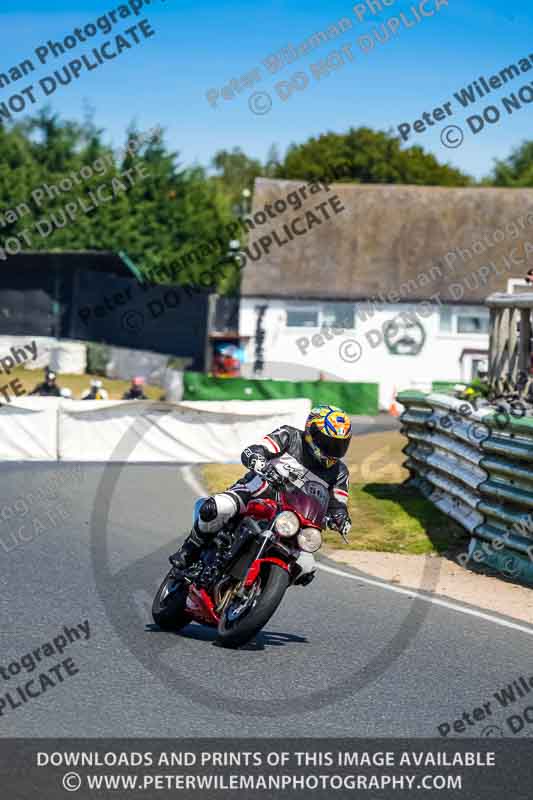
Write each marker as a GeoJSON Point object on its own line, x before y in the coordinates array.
{"type": "Point", "coordinates": [476, 467]}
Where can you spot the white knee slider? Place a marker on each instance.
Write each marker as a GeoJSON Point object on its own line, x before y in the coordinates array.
{"type": "Point", "coordinates": [226, 508]}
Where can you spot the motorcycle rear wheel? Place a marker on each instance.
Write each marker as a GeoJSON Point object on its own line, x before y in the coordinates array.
{"type": "Point", "coordinates": [237, 627]}
{"type": "Point", "coordinates": [168, 608]}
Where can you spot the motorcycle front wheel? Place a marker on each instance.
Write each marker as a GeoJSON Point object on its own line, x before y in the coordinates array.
{"type": "Point", "coordinates": [244, 617]}
{"type": "Point", "coordinates": [168, 608]}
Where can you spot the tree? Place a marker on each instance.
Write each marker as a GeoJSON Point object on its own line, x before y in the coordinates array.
{"type": "Point", "coordinates": [366, 156]}
{"type": "Point", "coordinates": [235, 172]}
{"type": "Point", "coordinates": [516, 170]}
{"type": "Point", "coordinates": [156, 215]}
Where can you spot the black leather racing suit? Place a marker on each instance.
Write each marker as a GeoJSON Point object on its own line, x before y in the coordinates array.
{"type": "Point", "coordinates": [291, 440]}
{"type": "Point", "coordinates": [219, 509]}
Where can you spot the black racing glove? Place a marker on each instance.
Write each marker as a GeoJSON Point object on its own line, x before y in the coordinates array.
{"type": "Point", "coordinates": [272, 476]}
{"type": "Point", "coordinates": [340, 521]}
{"type": "Point", "coordinates": [254, 458]}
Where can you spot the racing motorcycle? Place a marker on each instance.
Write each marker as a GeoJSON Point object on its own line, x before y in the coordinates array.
{"type": "Point", "coordinates": [241, 577]}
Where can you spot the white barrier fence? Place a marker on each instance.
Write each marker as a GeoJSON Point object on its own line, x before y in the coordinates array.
{"type": "Point", "coordinates": [60, 355]}
{"type": "Point", "coordinates": [51, 429]}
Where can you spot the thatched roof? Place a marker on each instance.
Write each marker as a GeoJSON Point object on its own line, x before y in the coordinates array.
{"type": "Point", "coordinates": [388, 238]}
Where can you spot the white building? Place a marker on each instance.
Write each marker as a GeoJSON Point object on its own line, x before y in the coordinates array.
{"type": "Point", "coordinates": [388, 289]}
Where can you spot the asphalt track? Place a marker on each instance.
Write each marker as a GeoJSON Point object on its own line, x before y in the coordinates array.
{"type": "Point", "coordinates": [342, 657]}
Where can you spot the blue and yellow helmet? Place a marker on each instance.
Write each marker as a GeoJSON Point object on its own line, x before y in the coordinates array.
{"type": "Point", "coordinates": [328, 432]}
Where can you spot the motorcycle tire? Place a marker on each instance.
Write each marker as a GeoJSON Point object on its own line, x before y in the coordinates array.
{"type": "Point", "coordinates": [168, 608]}
{"type": "Point", "coordinates": [234, 633]}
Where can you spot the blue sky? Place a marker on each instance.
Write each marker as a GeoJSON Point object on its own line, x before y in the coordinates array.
{"type": "Point", "coordinates": [200, 46]}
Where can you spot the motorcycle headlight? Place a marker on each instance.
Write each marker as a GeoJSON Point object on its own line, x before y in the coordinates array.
{"type": "Point", "coordinates": [310, 540]}
{"type": "Point", "coordinates": [287, 524]}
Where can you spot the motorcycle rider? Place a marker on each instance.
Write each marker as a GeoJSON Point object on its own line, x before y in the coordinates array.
{"type": "Point", "coordinates": [319, 448]}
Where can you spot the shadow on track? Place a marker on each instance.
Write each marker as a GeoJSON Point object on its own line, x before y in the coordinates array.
{"type": "Point", "coordinates": [204, 634]}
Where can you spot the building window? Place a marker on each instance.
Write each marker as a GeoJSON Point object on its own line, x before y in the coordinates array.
{"type": "Point", "coordinates": [445, 319]}
{"type": "Point", "coordinates": [302, 318]}
{"type": "Point", "coordinates": [330, 315]}
{"type": "Point", "coordinates": [466, 320]}
{"type": "Point", "coordinates": [338, 315]}
{"type": "Point", "coordinates": [473, 322]}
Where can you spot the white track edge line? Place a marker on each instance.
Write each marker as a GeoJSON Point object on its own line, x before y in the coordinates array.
{"type": "Point", "coordinates": [192, 481]}
{"type": "Point", "coordinates": [435, 600]}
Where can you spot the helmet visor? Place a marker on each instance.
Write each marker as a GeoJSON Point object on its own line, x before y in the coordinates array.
{"type": "Point", "coordinates": [330, 447]}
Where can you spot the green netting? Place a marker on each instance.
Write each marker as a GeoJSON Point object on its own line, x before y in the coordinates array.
{"type": "Point", "coordinates": [355, 398]}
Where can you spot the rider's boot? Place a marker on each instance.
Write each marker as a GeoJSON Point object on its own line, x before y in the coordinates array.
{"type": "Point", "coordinates": [210, 520]}
{"type": "Point", "coordinates": [189, 551]}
